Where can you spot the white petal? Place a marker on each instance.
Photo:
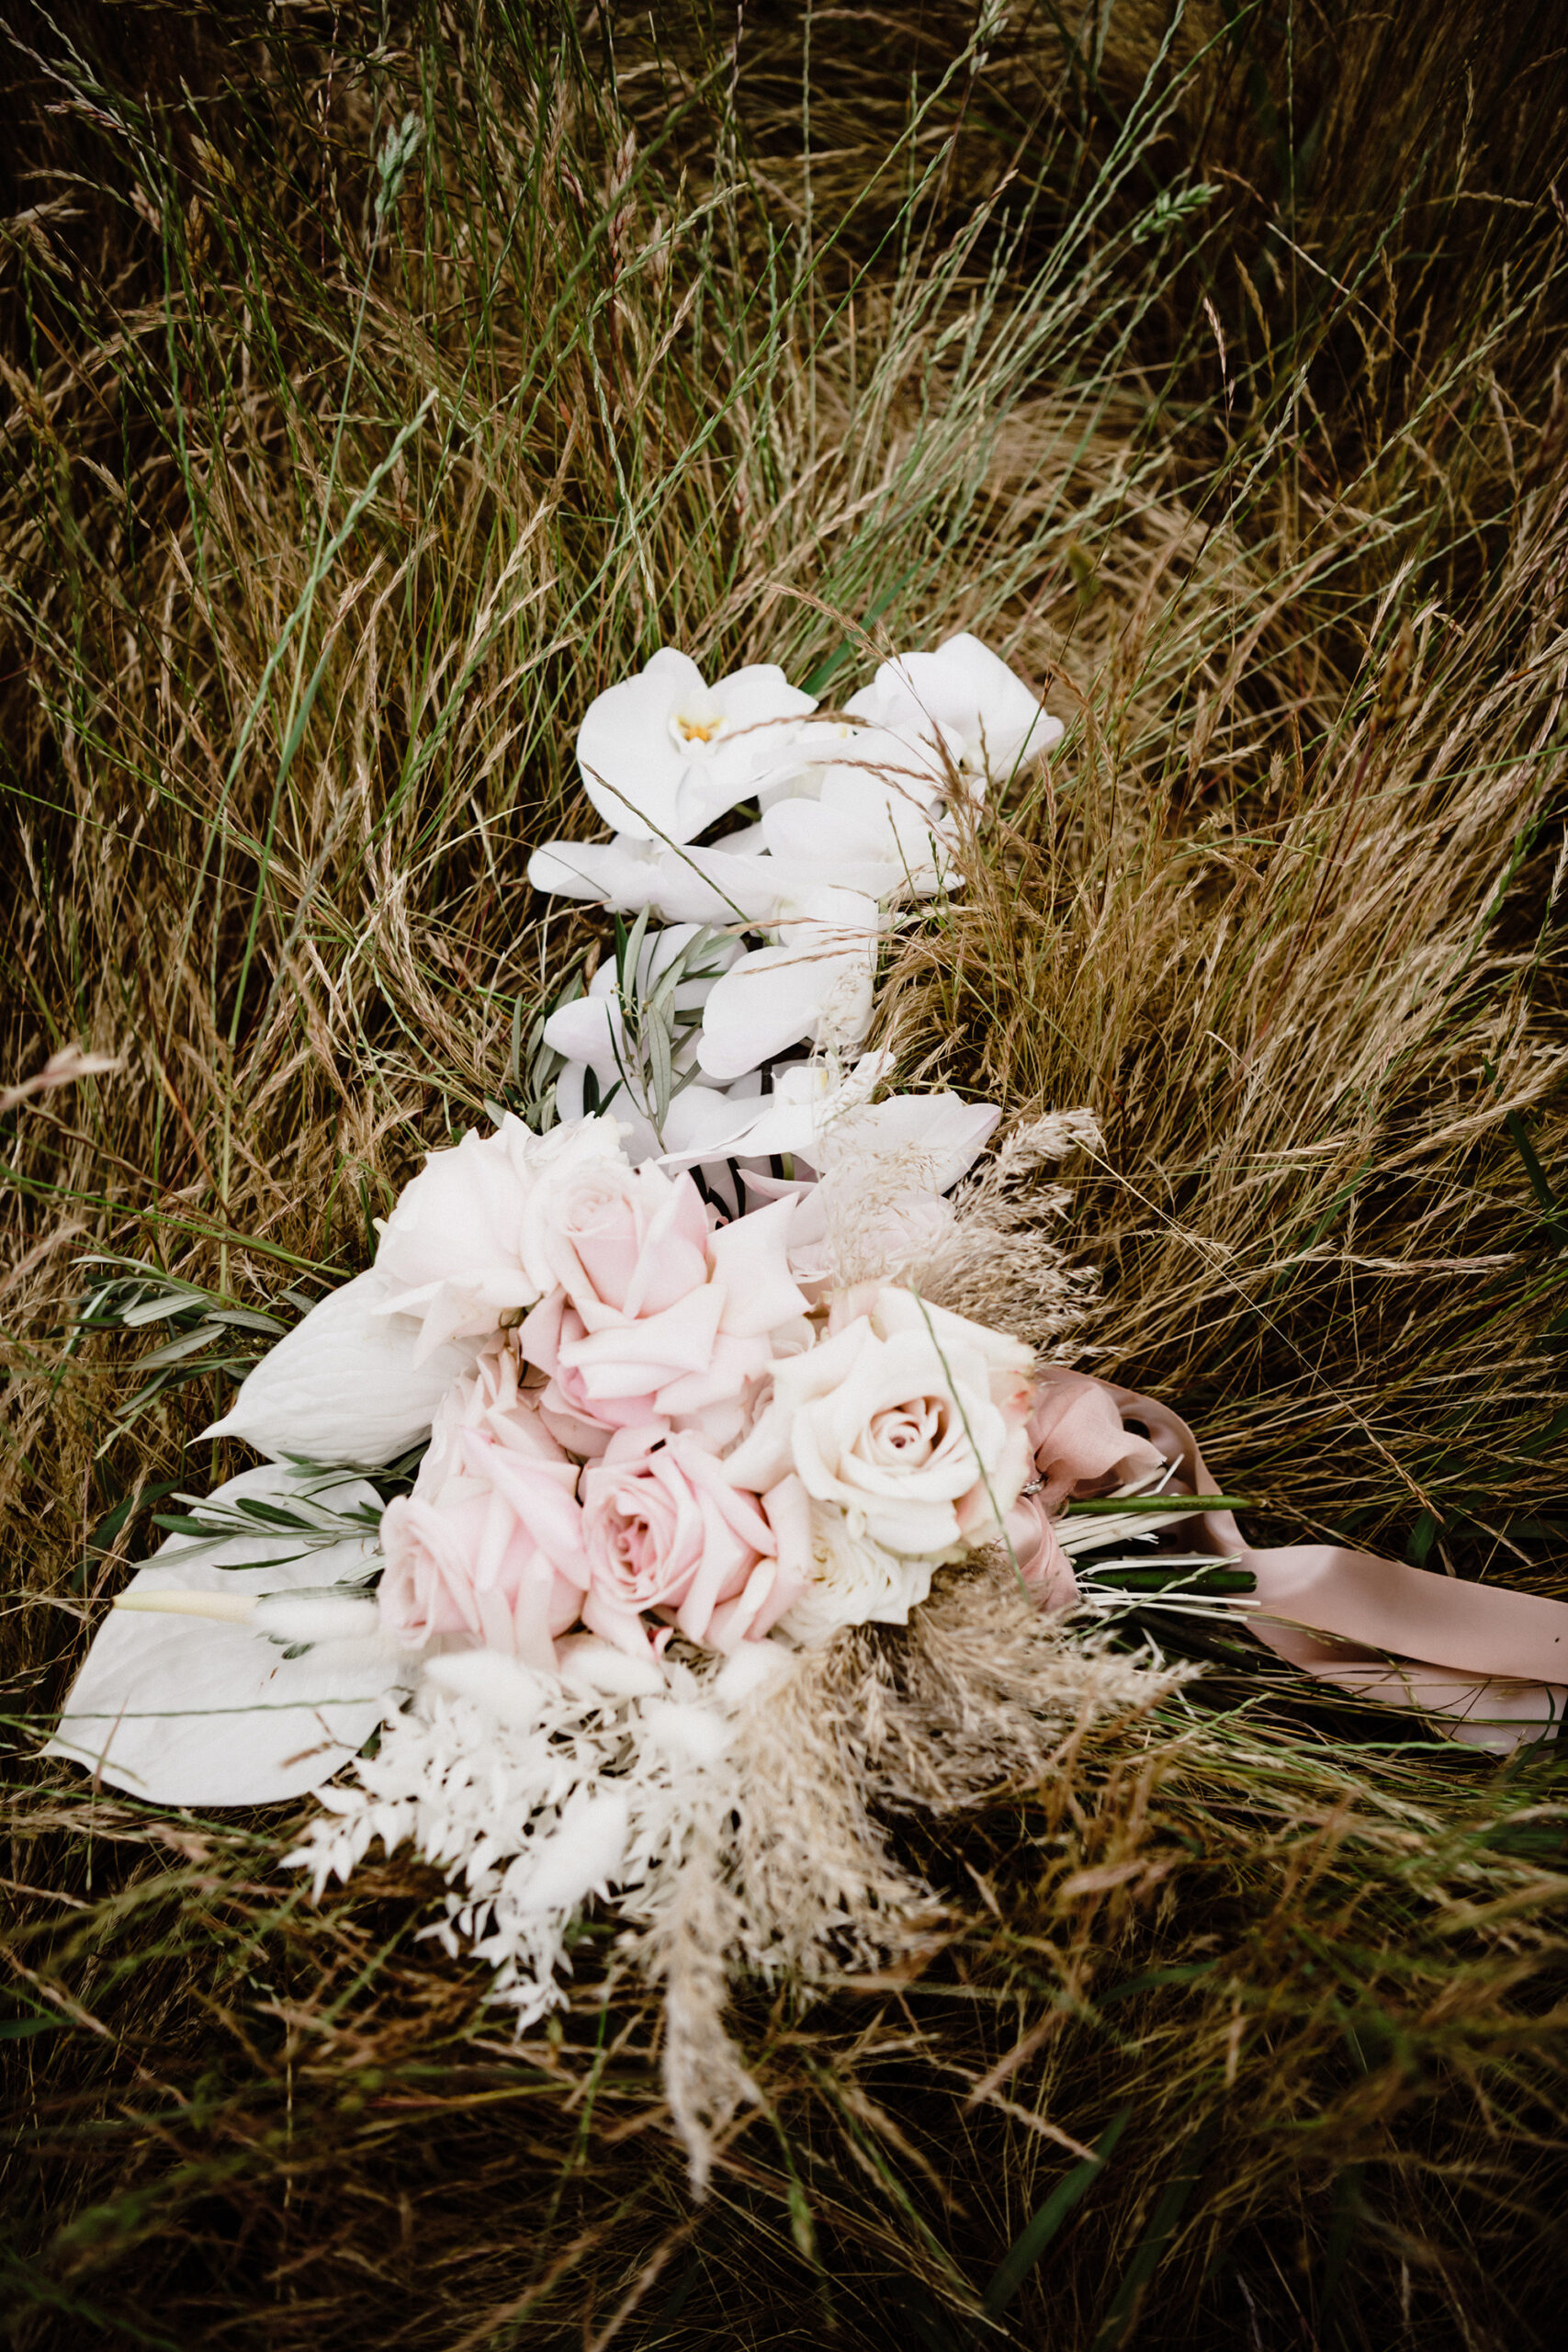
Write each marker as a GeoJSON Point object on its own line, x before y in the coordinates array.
{"type": "Point", "coordinates": [773, 999]}
{"type": "Point", "coordinates": [588, 1029]}
{"type": "Point", "coordinates": [620, 874]}
{"type": "Point", "coordinates": [700, 1123]}
{"type": "Point", "coordinates": [506, 1689]}
{"type": "Point", "coordinates": [631, 768]}
{"type": "Point", "coordinates": [968, 688]}
{"type": "Point", "coordinates": [952, 1131]}
{"type": "Point", "coordinates": [806, 1098]}
{"type": "Point", "coordinates": [184, 1710]}
{"type": "Point", "coordinates": [343, 1385]}
{"type": "Point", "coordinates": [580, 1858]}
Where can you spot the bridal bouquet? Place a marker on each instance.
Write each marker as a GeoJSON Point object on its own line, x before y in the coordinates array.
{"type": "Point", "coordinates": [682, 1489]}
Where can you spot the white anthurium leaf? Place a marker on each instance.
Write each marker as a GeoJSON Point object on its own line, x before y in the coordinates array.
{"type": "Point", "coordinates": [662, 755]}
{"type": "Point", "coordinates": [346, 1385]}
{"type": "Point", "coordinates": [191, 1711]}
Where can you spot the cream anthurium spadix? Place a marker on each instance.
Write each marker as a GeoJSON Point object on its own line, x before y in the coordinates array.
{"type": "Point", "coordinates": [194, 1710]}
{"type": "Point", "coordinates": [967, 695]}
{"type": "Point", "coordinates": [349, 1383]}
{"type": "Point", "coordinates": [663, 753]}
{"type": "Point", "coordinates": [817, 983]}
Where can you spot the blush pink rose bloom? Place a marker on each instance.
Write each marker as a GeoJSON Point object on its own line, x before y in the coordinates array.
{"type": "Point", "coordinates": [666, 1533]}
{"type": "Point", "coordinates": [650, 1320]}
{"type": "Point", "coordinates": [492, 1550]}
{"type": "Point", "coordinates": [1080, 1450]}
{"type": "Point", "coordinates": [492, 1402]}
{"type": "Point", "coordinates": [910, 1419]}
{"type": "Point", "coordinates": [453, 1252]}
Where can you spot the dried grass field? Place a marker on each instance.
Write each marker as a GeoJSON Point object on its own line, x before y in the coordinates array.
{"type": "Point", "coordinates": [379, 384]}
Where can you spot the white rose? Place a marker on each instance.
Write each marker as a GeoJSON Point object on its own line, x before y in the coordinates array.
{"type": "Point", "coordinates": [452, 1250]}
{"type": "Point", "coordinates": [911, 1420]}
{"type": "Point", "coordinates": [852, 1582]}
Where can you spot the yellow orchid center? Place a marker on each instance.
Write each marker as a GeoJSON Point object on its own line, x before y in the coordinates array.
{"type": "Point", "coordinates": [696, 724]}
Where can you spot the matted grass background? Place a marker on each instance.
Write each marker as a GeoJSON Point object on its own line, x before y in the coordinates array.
{"type": "Point", "coordinates": [1208, 360]}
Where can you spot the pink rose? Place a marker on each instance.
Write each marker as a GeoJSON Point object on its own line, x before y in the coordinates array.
{"type": "Point", "coordinates": [1079, 1446]}
{"type": "Point", "coordinates": [492, 1402]}
{"type": "Point", "coordinates": [492, 1549]}
{"type": "Point", "coordinates": [665, 1530]}
{"type": "Point", "coordinates": [623, 1243]}
{"type": "Point", "coordinates": [905, 1415]}
{"type": "Point", "coordinates": [653, 1321]}
{"type": "Point", "coordinates": [1080, 1450]}
{"type": "Point", "coordinates": [454, 1252]}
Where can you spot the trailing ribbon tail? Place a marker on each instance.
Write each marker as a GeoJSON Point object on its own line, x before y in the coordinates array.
{"type": "Point", "coordinates": [1483, 1657]}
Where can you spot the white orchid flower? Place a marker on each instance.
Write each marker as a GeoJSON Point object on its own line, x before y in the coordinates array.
{"type": "Point", "coordinates": [662, 755]}
{"type": "Point", "coordinates": [816, 983]}
{"type": "Point", "coordinates": [695, 1124]}
{"type": "Point", "coordinates": [790, 1120]}
{"type": "Point", "coordinates": [866, 823]}
{"type": "Point", "coordinates": [961, 693]}
{"type": "Point", "coordinates": [180, 1709]}
{"type": "Point", "coordinates": [915, 756]}
{"type": "Point", "coordinates": [940, 1132]}
{"type": "Point", "coordinates": [623, 874]}
{"type": "Point", "coordinates": [346, 1384]}
{"type": "Point", "coordinates": [734, 880]}
{"type": "Point", "coordinates": [890, 1161]}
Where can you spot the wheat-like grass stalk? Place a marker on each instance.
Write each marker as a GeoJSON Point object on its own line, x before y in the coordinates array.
{"type": "Point", "coordinates": [1207, 362]}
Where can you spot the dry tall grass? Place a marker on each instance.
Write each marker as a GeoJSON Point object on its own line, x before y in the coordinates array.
{"type": "Point", "coordinates": [1207, 361]}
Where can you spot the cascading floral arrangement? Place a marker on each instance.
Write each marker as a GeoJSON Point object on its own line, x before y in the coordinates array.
{"type": "Point", "coordinates": [682, 1490]}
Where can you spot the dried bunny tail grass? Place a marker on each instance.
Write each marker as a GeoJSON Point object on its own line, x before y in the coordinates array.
{"type": "Point", "coordinates": [997, 1261]}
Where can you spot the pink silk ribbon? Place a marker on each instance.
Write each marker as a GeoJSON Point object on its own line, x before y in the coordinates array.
{"type": "Point", "coordinates": [1482, 1659]}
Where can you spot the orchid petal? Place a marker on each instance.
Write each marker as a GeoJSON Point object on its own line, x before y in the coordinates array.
{"type": "Point", "coordinates": [662, 755]}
